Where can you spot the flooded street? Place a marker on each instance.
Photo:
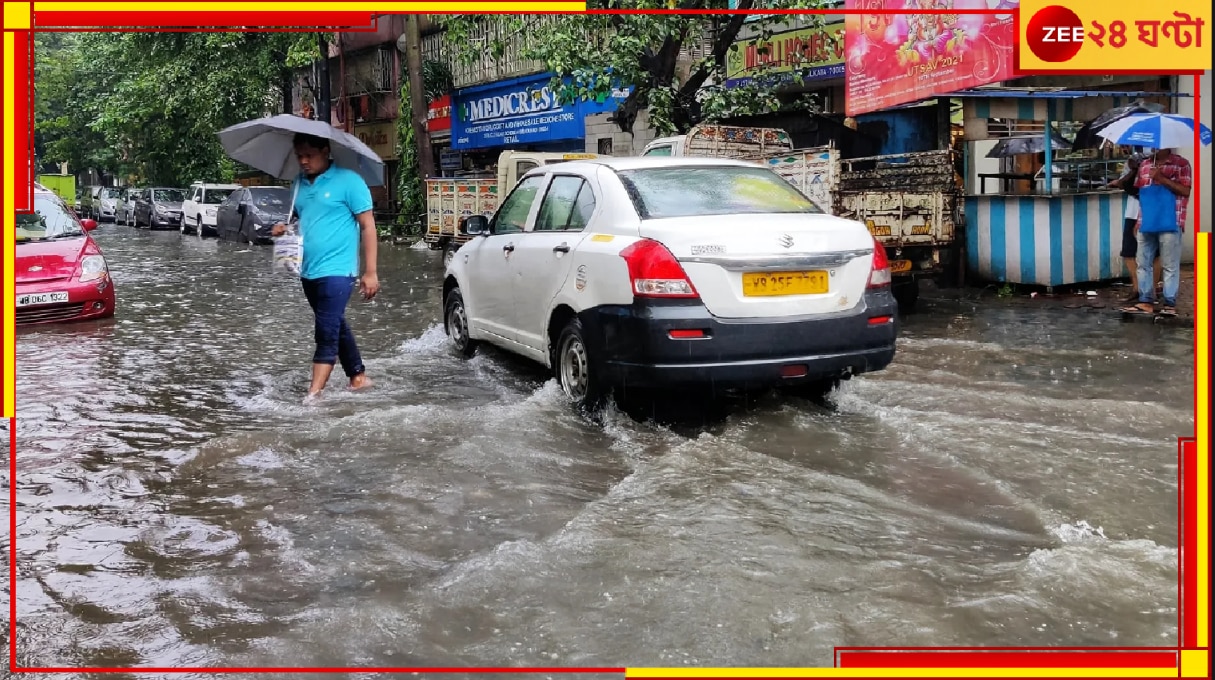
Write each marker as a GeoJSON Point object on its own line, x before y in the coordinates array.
{"type": "Point", "coordinates": [1010, 480]}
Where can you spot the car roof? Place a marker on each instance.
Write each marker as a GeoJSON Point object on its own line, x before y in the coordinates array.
{"type": "Point", "coordinates": [642, 162]}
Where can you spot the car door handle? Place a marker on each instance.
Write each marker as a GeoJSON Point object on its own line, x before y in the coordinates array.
{"type": "Point", "coordinates": [563, 248]}
{"type": "Point", "coordinates": [509, 247]}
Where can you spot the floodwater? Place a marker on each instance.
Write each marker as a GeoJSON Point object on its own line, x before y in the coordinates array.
{"type": "Point", "coordinates": [1010, 480]}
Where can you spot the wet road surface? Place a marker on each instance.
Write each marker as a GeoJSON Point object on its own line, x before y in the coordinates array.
{"type": "Point", "coordinates": [1010, 480]}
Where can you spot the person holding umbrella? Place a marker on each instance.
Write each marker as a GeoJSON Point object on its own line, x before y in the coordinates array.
{"type": "Point", "coordinates": [330, 172]}
{"type": "Point", "coordinates": [1172, 172]}
{"type": "Point", "coordinates": [334, 207]}
{"type": "Point", "coordinates": [1163, 179]}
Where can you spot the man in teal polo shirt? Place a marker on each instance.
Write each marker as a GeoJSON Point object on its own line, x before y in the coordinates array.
{"type": "Point", "coordinates": [334, 207]}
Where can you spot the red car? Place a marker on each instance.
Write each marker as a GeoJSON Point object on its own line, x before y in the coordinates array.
{"type": "Point", "coordinates": [61, 273]}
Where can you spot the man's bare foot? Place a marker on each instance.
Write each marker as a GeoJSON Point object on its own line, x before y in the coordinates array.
{"type": "Point", "coordinates": [312, 398]}
{"type": "Point", "coordinates": [360, 382]}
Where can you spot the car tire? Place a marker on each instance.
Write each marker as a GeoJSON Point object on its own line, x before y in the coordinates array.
{"type": "Point", "coordinates": [575, 369]}
{"type": "Point", "coordinates": [455, 324]}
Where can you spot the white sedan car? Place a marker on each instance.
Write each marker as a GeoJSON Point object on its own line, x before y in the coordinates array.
{"type": "Point", "coordinates": [621, 273]}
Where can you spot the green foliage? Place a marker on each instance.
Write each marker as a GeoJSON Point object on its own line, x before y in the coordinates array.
{"type": "Point", "coordinates": [148, 105]}
{"type": "Point", "coordinates": [410, 187]}
{"type": "Point", "coordinates": [598, 52]}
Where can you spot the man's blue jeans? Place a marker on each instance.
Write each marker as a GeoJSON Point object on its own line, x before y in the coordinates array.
{"type": "Point", "coordinates": [1169, 245]}
{"type": "Point", "coordinates": [328, 296]}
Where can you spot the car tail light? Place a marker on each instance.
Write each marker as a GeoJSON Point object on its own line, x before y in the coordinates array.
{"type": "Point", "coordinates": [655, 272]}
{"type": "Point", "coordinates": [879, 276]}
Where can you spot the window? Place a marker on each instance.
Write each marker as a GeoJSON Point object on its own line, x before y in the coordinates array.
{"type": "Point", "coordinates": [50, 220]}
{"type": "Point", "coordinates": [169, 195]}
{"type": "Point", "coordinates": [659, 193]}
{"type": "Point", "coordinates": [565, 205]}
{"type": "Point", "coordinates": [214, 196]}
{"type": "Point", "coordinates": [512, 215]}
{"type": "Point", "coordinates": [522, 167]}
{"type": "Point", "coordinates": [659, 151]}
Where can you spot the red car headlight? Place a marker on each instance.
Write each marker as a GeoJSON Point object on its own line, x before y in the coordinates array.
{"type": "Point", "coordinates": [92, 268]}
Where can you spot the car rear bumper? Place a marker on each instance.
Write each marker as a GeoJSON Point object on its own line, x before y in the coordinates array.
{"type": "Point", "coordinates": [86, 301]}
{"type": "Point", "coordinates": [633, 345]}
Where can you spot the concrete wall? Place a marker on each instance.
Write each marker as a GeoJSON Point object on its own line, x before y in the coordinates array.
{"type": "Point", "coordinates": [623, 143]}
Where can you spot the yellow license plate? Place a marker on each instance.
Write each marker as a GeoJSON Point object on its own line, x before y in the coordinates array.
{"type": "Point", "coordinates": [899, 266]}
{"type": "Point", "coordinates": [765, 284]}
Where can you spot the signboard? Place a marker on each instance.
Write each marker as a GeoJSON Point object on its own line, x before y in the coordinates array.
{"type": "Point", "coordinates": [520, 111]}
{"type": "Point", "coordinates": [450, 160]}
{"type": "Point", "coordinates": [438, 115]}
{"type": "Point", "coordinates": [381, 137]}
{"type": "Point", "coordinates": [815, 53]}
{"type": "Point", "coordinates": [893, 59]}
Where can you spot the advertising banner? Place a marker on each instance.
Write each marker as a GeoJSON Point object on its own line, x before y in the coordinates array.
{"type": "Point", "coordinates": [438, 115]}
{"type": "Point", "coordinates": [893, 59]}
{"type": "Point", "coordinates": [815, 53]}
{"type": "Point", "coordinates": [520, 111]}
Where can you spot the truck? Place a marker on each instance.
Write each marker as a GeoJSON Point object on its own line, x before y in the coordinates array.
{"type": "Point", "coordinates": [449, 200]}
{"type": "Point", "coordinates": [814, 171]}
{"type": "Point", "coordinates": [722, 141]}
{"type": "Point", "coordinates": [913, 204]}
{"type": "Point", "coordinates": [63, 186]}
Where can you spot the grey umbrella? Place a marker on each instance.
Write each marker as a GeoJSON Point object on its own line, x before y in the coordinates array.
{"type": "Point", "coordinates": [267, 144]}
{"type": "Point", "coordinates": [1012, 146]}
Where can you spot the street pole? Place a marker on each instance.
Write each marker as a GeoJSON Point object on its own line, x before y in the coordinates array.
{"type": "Point", "coordinates": [322, 106]}
{"type": "Point", "coordinates": [417, 95]}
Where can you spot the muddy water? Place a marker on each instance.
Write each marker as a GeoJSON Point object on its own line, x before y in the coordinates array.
{"type": "Point", "coordinates": [1011, 480]}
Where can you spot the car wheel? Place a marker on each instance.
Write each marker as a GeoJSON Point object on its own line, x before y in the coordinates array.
{"type": "Point", "coordinates": [455, 323]}
{"type": "Point", "coordinates": [575, 369]}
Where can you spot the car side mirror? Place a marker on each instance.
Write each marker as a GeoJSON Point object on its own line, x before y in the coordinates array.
{"type": "Point", "coordinates": [89, 225]}
{"type": "Point", "coordinates": [475, 225]}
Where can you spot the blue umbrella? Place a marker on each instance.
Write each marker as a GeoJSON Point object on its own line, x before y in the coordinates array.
{"type": "Point", "coordinates": [1155, 131]}
{"type": "Point", "coordinates": [268, 145]}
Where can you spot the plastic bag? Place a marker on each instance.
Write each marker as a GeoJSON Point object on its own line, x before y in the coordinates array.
{"type": "Point", "coordinates": [1157, 210]}
{"type": "Point", "coordinates": [289, 252]}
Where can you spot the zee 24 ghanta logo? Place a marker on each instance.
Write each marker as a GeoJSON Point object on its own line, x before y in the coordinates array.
{"type": "Point", "coordinates": [1056, 34]}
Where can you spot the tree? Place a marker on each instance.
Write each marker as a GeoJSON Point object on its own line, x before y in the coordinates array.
{"type": "Point", "coordinates": [149, 105]}
{"type": "Point", "coordinates": [591, 54]}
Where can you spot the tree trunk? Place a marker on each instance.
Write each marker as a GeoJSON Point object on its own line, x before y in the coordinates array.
{"type": "Point", "coordinates": [417, 95]}
{"type": "Point", "coordinates": [324, 101]}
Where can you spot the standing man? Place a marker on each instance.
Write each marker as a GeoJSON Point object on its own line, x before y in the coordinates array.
{"type": "Point", "coordinates": [1173, 173]}
{"type": "Point", "coordinates": [334, 207]}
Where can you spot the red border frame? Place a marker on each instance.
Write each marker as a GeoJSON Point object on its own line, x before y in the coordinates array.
{"type": "Point", "coordinates": [845, 657]}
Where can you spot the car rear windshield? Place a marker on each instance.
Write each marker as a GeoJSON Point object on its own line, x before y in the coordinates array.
{"type": "Point", "coordinates": [49, 220]}
{"type": "Point", "coordinates": [271, 200]}
{"type": "Point", "coordinates": [689, 191]}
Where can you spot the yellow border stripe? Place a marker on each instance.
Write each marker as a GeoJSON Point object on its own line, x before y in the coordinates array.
{"type": "Point", "coordinates": [10, 180]}
{"type": "Point", "coordinates": [901, 672]}
{"type": "Point", "coordinates": [377, 7]}
{"type": "Point", "coordinates": [1202, 415]}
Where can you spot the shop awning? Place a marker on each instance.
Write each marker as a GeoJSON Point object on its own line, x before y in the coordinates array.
{"type": "Point", "coordinates": [1056, 93]}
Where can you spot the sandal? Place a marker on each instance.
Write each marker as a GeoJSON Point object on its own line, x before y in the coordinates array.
{"type": "Point", "coordinates": [1137, 309]}
{"type": "Point", "coordinates": [1168, 311]}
